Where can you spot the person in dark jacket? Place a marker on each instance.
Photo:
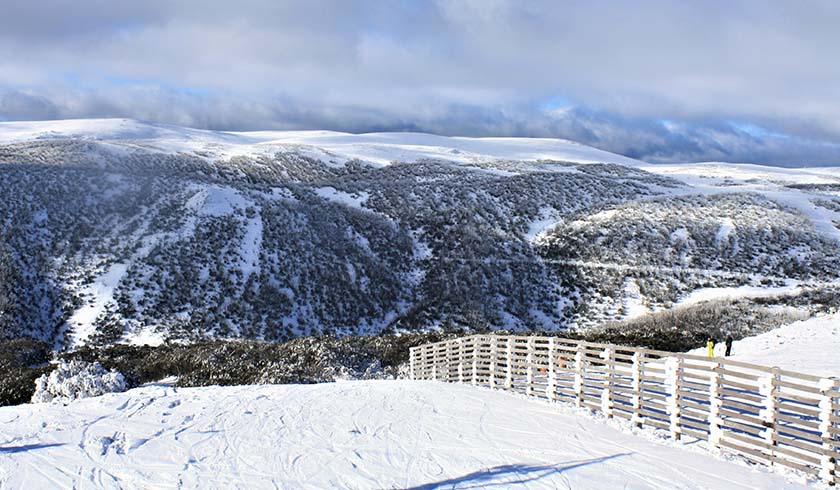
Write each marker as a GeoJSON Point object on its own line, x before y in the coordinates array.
{"type": "Point", "coordinates": [728, 345]}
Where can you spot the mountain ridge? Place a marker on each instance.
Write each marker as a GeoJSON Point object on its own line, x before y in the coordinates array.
{"type": "Point", "coordinates": [189, 234]}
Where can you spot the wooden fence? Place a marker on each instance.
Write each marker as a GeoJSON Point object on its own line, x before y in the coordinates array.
{"type": "Point", "coordinates": [765, 414]}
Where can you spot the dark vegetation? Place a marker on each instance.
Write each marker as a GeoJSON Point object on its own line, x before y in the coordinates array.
{"type": "Point", "coordinates": [686, 328]}
{"type": "Point", "coordinates": [221, 362]}
{"type": "Point", "coordinates": [431, 243]}
{"type": "Point", "coordinates": [22, 361]}
{"type": "Point", "coordinates": [434, 242]}
{"type": "Point", "coordinates": [320, 359]}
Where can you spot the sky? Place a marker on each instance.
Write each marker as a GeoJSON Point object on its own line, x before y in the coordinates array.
{"type": "Point", "coordinates": [662, 81]}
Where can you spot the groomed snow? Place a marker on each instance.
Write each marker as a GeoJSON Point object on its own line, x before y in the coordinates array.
{"type": "Point", "coordinates": [809, 346]}
{"type": "Point", "coordinates": [354, 435]}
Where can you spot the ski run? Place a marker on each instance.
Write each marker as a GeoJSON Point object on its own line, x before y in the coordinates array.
{"type": "Point", "coordinates": [355, 435]}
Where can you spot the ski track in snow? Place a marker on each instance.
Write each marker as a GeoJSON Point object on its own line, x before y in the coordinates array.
{"type": "Point", "coordinates": [355, 435]}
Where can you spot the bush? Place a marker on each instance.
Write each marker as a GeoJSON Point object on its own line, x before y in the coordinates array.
{"type": "Point", "coordinates": [238, 362]}
{"type": "Point", "coordinates": [688, 327]}
{"type": "Point", "coordinates": [72, 380]}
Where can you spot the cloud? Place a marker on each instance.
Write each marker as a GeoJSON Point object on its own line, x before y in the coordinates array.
{"type": "Point", "coordinates": [659, 80]}
{"type": "Point", "coordinates": [19, 105]}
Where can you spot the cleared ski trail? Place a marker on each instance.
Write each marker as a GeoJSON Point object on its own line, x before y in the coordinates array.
{"type": "Point", "coordinates": [363, 435]}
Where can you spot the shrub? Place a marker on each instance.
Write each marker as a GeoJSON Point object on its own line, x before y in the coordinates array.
{"type": "Point", "coordinates": [72, 380]}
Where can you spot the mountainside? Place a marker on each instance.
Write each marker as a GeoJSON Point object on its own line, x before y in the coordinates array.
{"type": "Point", "coordinates": [118, 230]}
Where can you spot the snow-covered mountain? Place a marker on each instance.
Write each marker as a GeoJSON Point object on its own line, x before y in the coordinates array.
{"type": "Point", "coordinates": [120, 230]}
{"type": "Point", "coordinates": [331, 147]}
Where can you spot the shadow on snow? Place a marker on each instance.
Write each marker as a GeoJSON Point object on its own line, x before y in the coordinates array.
{"type": "Point", "coordinates": [491, 477]}
{"type": "Point", "coordinates": [26, 447]}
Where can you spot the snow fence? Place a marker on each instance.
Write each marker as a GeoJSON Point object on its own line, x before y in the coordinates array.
{"type": "Point", "coordinates": [765, 414]}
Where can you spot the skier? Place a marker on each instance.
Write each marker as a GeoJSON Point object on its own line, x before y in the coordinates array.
{"type": "Point", "coordinates": [728, 345]}
{"type": "Point", "coordinates": [710, 347]}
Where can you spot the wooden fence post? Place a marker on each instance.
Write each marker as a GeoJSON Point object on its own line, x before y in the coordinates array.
{"type": "Point", "coordinates": [442, 356]}
{"type": "Point", "coordinates": [578, 384]}
{"type": "Point", "coordinates": [550, 391]}
{"type": "Point", "coordinates": [461, 360]}
{"type": "Point", "coordinates": [768, 388]}
{"type": "Point", "coordinates": [606, 391]}
{"type": "Point", "coordinates": [673, 368]}
{"type": "Point", "coordinates": [493, 341]}
{"type": "Point", "coordinates": [715, 403]}
{"type": "Point", "coordinates": [475, 344]}
{"type": "Point", "coordinates": [509, 374]}
{"type": "Point", "coordinates": [529, 370]}
{"type": "Point", "coordinates": [828, 463]}
{"type": "Point", "coordinates": [636, 385]}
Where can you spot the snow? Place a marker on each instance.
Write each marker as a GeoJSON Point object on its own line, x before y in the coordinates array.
{"type": "Point", "coordinates": [725, 231]}
{"type": "Point", "coordinates": [634, 305]}
{"type": "Point", "coordinates": [680, 234]}
{"type": "Point", "coordinates": [772, 182]}
{"type": "Point", "coordinates": [223, 201]}
{"type": "Point", "coordinates": [353, 200]}
{"type": "Point", "coordinates": [707, 294]}
{"type": "Point", "coordinates": [100, 294]}
{"type": "Point", "coordinates": [355, 435]}
{"type": "Point", "coordinates": [217, 201]}
{"type": "Point", "coordinates": [705, 173]}
{"type": "Point", "coordinates": [332, 147]}
{"type": "Point", "coordinates": [385, 148]}
{"type": "Point", "coordinates": [146, 335]}
{"type": "Point", "coordinates": [808, 346]}
{"type": "Point", "coordinates": [251, 245]}
{"type": "Point", "coordinates": [71, 380]}
{"type": "Point", "coordinates": [546, 219]}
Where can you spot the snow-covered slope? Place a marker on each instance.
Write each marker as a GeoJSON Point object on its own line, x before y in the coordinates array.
{"type": "Point", "coordinates": [353, 435]}
{"type": "Point", "coordinates": [330, 146]}
{"type": "Point", "coordinates": [810, 346]}
{"type": "Point", "coordinates": [811, 191]}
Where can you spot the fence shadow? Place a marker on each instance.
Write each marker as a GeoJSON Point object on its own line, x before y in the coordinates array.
{"type": "Point", "coordinates": [26, 447]}
{"type": "Point", "coordinates": [490, 477]}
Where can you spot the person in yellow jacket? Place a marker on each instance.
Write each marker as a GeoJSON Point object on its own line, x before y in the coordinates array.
{"type": "Point", "coordinates": [710, 347]}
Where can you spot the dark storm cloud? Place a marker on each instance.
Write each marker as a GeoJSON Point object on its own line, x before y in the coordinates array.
{"type": "Point", "coordinates": [657, 80]}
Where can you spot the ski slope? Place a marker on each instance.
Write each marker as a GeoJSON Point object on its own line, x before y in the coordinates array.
{"type": "Point", "coordinates": [354, 435]}
{"type": "Point", "coordinates": [809, 346]}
